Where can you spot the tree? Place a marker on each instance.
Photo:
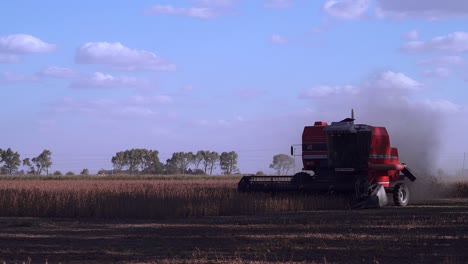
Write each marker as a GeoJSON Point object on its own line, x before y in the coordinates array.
{"type": "Point", "coordinates": [27, 162]}
{"type": "Point", "coordinates": [137, 160]}
{"type": "Point", "coordinates": [205, 161]}
{"type": "Point", "coordinates": [228, 162]}
{"type": "Point", "coordinates": [84, 172]}
{"type": "Point", "coordinates": [43, 161]}
{"type": "Point", "coordinates": [208, 160]}
{"type": "Point", "coordinates": [70, 173]}
{"type": "Point", "coordinates": [152, 163]}
{"type": "Point", "coordinates": [57, 173]}
{"type": "Point", "coordinates": [133, 160]}
{"type": "Point", "coordinates": [197, 159]}
{"type": "Point", "coordinates": [212, 158]}
{"type": "Point", "coordinates": [282, 163]}
{"type": "Point", "coordinates": [11, 160]}
{"type": "Point", "coordinates": [179, 162]}
{"type": "Point", "coordinates": [118, 161]}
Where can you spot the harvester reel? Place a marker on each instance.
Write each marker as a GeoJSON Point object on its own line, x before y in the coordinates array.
{"type": "Point", "coordinates": [400, 194]}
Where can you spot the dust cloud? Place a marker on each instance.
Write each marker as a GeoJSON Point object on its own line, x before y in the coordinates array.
{"type": "Point", "coordinates": [388, 100]}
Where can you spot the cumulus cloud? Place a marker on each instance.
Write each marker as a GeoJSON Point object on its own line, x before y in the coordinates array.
{"type": "Point", "coordinates": [278, 39]}
{"type": "Point", "coordinates": [59, 72]}
{"type": "Point", "coordinates": [389, 80]}
{"type": "Point", "coordinates": [346, 9]}
{"type": "Point", "coordinates": [101, 80]}
{"type": "Point", "coordinates": [23, 43]}
{"type": "Point", "coordinates": [196, 12]}
{"type": "Point", "coordinates": [441, 105]}
{"type": "Point", "coordinates": [429, 9]}
{"type": "Point", "coordinates": [18, 77]}
{"type": "Point", "coordinates": [144, 100]}
{"type": "Point", "coordinates": [453, 42]}
{"type": "Point", "coordinates": [325, 90]}
{"type": "Point", "coordinates": [412, 35]}
{"type": "Point", "coordinates": [121, 57]}
{"type": "Point", "coordinates": [438, 73]}
{"type": "Point", "coordinates": [278, 4]}
{"type": "Point", "coordinates": [9, 58]}
{"type": "Point", "coordinates": [443, 61]}
{"type": "Point", "coordinates": [201, 9]}
{"type": "Point", "coordinates": [110, 108]}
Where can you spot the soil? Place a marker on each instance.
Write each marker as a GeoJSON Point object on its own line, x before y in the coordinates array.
{"type": "Point", "coordinates": [428, 232]}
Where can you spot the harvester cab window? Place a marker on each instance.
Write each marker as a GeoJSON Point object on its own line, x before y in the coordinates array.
{"type": "Point", "coordinates": [348, 150]}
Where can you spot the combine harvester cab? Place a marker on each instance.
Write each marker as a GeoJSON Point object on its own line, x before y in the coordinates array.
{"type": "Point", "coordinates": [343, 157]}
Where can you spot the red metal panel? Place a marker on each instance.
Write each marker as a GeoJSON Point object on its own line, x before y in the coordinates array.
{"type": "Point", "coordinates": [313, 135]}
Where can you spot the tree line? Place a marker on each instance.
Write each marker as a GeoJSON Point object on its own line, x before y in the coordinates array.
{"type": "Point", "coordinates": [10, 162]}
{"type": "Point", "coordinates": [144, 161]}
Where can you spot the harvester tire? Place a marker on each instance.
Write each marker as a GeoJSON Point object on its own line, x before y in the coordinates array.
{"type": "Point", "coordinates": [300, 178]}
{"type": "Point", "coordinates": [361, 187]}
{"type": "Point", "coordinates": [400, 194]}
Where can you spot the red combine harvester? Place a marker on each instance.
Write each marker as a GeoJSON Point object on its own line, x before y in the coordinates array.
{"type": "Point", "coordinates": [344, 158]}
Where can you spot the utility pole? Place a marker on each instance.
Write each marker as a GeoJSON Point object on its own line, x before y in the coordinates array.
{"type": "Point", "coordinates": [463, 167]}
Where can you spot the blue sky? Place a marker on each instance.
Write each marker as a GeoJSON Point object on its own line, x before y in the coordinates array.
{"type": "Point", "coordinates": [87, 79]}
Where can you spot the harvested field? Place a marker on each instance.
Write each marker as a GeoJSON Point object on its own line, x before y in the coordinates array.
{"type": "Point", "coordinates": [433, 232]}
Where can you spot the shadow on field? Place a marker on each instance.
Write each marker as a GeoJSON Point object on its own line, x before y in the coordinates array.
{"type": "Point", "coordinates": [430, 232]}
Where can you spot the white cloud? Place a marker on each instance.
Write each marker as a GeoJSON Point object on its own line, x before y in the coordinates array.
{"type": "Point", "coordinates": [278, 40]}
{"type": "Point", "coordinates": [412, 35]}
{"type": "Point", "coordinates": [325, 90]}
{"type": "Point", "coordinates": [59, 72]}
{"type": "Point", "coordinates": [121, 57]}
{"type": "Point", "coordinates": [240, 118]}
{"type": "Point", "coordinates": [346, 9]}
{"type": "Point", "coordinates": [202, 9]}
{"type": "Point", "coordinates": [17, 77]}
{"type": "Point", "coordinates": [9, 58]}
{"type": "Point", "coordinates": [137, 111]}
{"type": "Point", "coordinates": [438, 73]}
{"type": "Point", "coordinates": [441, 105]}
{"type": "Point", "coordinates": [428, 9]}
{"type": "Point", "coordinates": [111, 109]}
{"type": "Point", "coordinates": [453, 42]}
{"type": "Point", "coordinates": [390, 80]}
{"type": "Point", "coordinates": [442, 61]}
{"type": "Point", "coordinates": [23, 43]}
{"type": "Point", "coordinates": [144, 100]}
{"type": "Point", "coordinates": [106, 81]}
{"type": "Point", "coordinates": [384, 83]}
{"type": "Point", "coordinates": [278, 4]}
{"type": "Point", "coordinates": [195, 12]}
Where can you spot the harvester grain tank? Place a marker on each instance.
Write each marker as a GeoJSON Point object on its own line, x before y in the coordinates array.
{"type": "Point", "coordinates": [343, 157]}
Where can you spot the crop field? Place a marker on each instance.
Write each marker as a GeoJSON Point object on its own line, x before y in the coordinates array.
{"type": "Point", "coordinates": [205, 220]}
